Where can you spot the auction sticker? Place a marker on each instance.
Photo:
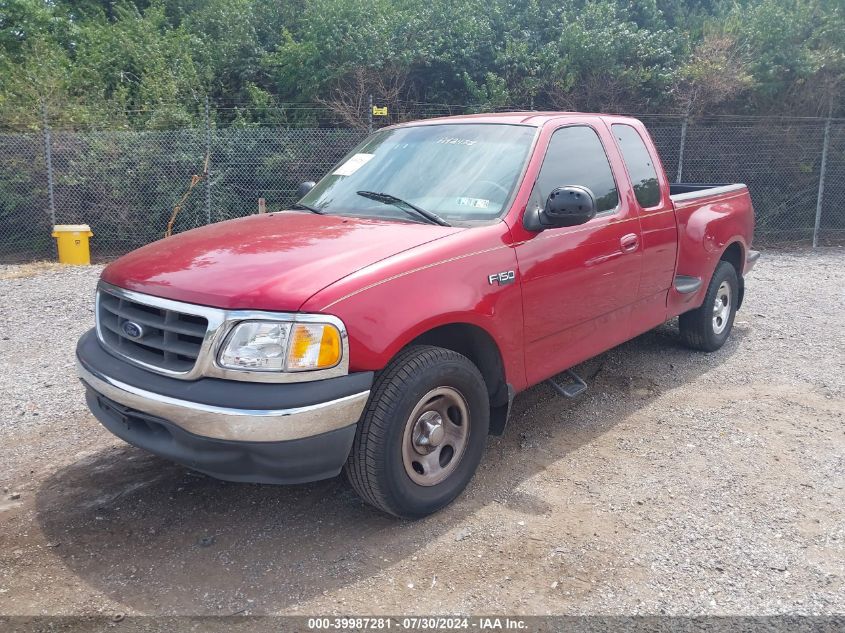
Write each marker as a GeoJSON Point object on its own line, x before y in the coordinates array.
{"type": "Point", "coordinates": [353, 164]}
{"type": "Point", "coordinates": [476, 203]}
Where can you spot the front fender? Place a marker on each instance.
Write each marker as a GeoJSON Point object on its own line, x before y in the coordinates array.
{"type": "Point", "coordinates": [391, 303]}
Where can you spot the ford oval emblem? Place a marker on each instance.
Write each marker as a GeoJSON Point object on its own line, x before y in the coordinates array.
{"type": "Point", "coordinates": [132, 330]}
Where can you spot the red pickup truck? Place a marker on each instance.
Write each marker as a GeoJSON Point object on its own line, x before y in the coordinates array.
{"type": "Point", "coordinates": [383, 325]}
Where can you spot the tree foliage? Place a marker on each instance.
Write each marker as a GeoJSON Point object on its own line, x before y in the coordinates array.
{"type": "Point", "coordinates": [150, 63]}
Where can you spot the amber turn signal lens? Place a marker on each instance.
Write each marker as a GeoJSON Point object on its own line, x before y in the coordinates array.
{"type": "Point", "coordinates": [313, 346]}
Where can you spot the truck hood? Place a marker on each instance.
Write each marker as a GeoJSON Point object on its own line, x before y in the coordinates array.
{"type": "Point", "coordinates": [273, 261]}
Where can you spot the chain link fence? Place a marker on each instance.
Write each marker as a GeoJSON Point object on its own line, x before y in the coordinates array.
{"type": "Point", "coordinates": [126, 183]}
{"type": "Point", "coordinates": [780, 161]}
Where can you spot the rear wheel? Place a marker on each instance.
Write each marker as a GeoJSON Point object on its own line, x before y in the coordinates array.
{"type": "Point", "coordinates": [422, 434]}
{"type": "Point", "coordinates": [708, 327]}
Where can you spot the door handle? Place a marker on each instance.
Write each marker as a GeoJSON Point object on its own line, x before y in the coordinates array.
{"type": "Point", "coordinates": [629, 242]}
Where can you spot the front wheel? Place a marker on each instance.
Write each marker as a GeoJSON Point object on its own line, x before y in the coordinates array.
{"type": "Point", "coordinates": [708, 327]}
{"type": "Point", "coordinates": [422, 434]}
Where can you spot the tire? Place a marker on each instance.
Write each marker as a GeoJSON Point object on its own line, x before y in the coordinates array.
{"type": "Point", "coordinates": [400, 463]}
{"type": "Point", "coordinates": [708, 327]}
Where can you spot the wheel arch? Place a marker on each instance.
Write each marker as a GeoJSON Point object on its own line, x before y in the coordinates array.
{"type": "Point", "coordinates": [734, 254]}
{"type": "Point", "coordinates": [479, 346]}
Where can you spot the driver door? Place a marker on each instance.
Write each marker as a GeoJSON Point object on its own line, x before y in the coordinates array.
{"type": "Point", "coordinates": [579, 282]}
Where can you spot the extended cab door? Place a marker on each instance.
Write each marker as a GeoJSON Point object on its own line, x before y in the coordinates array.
{"type": "Point", "coordinates": [649, 194]}
{"type": "Point", "coordinates": [579, 282]}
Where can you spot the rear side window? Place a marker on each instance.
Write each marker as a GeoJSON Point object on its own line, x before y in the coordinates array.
{"type": "Point", "coordinates": [640, 166]}
{"type": "Point", "coordinates": [576, 157]}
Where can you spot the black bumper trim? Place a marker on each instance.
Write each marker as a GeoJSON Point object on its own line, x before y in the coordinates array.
{"type": "Point", "coordinates": [289, 462]}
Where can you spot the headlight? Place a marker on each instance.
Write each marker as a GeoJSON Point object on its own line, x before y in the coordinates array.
{"type": "Point", "coordinates": [257, 345]}
{"type": "Point", "coordinates": [278, 346]}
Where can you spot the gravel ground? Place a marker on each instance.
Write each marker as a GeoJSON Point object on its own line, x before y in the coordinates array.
{"type": "Point", "coordinates": [41, 317]}
{"type": "Point", "coordinates": [682, 483]}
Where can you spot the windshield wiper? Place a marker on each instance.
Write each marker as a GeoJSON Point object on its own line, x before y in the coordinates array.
{"type": "Point", "coordinates": [299, 205]}
{"type": "Point", "coordinates": [387, 198]}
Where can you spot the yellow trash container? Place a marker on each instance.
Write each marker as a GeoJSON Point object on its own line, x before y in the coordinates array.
{"type": "Point", "coordinates": [72, 240]}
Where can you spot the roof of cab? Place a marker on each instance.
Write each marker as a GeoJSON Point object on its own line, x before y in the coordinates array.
{"type": "Point", "coordinates": [536, 119]}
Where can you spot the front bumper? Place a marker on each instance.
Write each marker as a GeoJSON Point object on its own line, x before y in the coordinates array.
{"type": "Point", "coordinates": [234, 430]}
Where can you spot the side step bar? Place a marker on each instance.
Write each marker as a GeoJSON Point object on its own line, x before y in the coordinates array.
{"type": "Point", "coordinates": [572, 389]}
{"type": "Point", "coordinates": [686, 284]}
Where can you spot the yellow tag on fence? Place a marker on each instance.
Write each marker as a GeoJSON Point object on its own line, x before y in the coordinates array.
{"type": "Point", "coordinates": [377, 111]}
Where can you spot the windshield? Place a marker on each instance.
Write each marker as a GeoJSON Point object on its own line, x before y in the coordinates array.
{"type": "Point", "coordinates": [461, 173]}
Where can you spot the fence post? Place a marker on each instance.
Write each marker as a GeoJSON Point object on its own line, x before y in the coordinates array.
{"type": "Point", "coordinates": [48, 158]}
{"type": "Point", "coordinates": [207, 163]}
{"type": "Point", "coordinates": [681, 150]}
{"type": "Point", "coordinates": [370, 114]}
{"type": "Point", "coordinates": [820, 197]}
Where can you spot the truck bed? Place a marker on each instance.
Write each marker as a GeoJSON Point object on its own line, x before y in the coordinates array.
{"type": "Point", "coordinates": [690, 190]}
{"type": "Point", "coordinates": [710, 216]}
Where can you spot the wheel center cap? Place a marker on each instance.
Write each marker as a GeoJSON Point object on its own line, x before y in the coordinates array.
{"type": "Point", "coordinates": [429, 432]}
{"type": "Point", "coordinates": [435, 435]}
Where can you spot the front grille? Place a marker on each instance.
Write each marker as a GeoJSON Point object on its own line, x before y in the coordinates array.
{"type": "Point", "coordinates": [170, 340]}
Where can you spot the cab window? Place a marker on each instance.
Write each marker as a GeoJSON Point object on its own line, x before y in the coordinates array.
{"type": "Point", "coordinates": [639, 163]}
{"type": "Point", "coordinates": [576, 157]}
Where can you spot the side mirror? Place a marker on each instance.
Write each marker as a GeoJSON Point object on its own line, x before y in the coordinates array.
{"type": "Point", "coordinates": [303, 188]}
{"type": "Point", "coordinates": [566, 206]}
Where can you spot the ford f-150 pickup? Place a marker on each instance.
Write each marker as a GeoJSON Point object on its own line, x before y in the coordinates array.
{"type": "Point", "coordinates": [384, 323]}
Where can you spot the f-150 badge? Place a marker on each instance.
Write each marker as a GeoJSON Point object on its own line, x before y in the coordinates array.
{"type": "Point", "coordinates": [503, 278]}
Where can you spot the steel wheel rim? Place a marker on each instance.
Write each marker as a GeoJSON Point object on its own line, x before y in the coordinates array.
{"type": "Point", "coordinates": [722, 308]}
{"type": "Point", "coordinates": [435, 436]}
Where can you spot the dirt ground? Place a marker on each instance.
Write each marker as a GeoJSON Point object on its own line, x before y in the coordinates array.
{"type": "Point", "coordinates": [681, 483]}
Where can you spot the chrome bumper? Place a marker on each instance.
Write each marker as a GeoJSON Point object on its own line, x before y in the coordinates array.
{"type": "Point", "coordinates": [244, 425]}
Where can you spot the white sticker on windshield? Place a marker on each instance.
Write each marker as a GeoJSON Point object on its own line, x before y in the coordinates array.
{"type": "Point", "coordinates": [453, 140]}
{"type": "Point", "coordinates": [476, 203]}
{"type": "Point", "coordinates": [352, 165]}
